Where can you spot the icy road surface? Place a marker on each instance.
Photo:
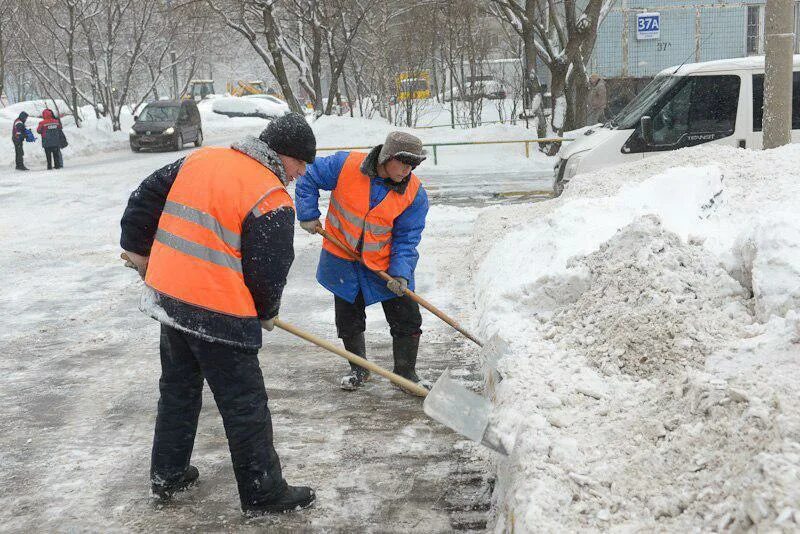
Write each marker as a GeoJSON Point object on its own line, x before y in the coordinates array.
{"type": "Point", "coordinates": [79, 373]}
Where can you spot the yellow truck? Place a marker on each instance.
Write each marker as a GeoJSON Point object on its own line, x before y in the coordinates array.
{"type": "Point", "coordinates": [413, 85]}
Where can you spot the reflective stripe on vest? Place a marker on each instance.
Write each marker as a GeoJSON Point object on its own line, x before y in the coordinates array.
{"type": "Point", "coordinates": [196, 257]}
{"type": "Point", "coordinates": [366, 231]}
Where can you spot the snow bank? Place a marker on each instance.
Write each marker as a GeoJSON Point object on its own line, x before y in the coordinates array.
{"type": "Point", "coordinates": [96, 135]}
{"type": "Point", "coordinates": [652, 319]}
{"type": "Point", "coordinates": [33, 108]}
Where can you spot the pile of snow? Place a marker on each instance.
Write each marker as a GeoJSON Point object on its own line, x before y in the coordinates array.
{"type": "Point", "coordinates": [95, 135]}
{"type": "Point", "coordinates": [651, 303]}
{"type": "Point", "coordinates": [34, 108]}
{"type": "Point", "coordinates": [652, 316]}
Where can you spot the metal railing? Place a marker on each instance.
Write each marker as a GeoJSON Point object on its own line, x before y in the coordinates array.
{"type": "Point", "coordinates": [435, 146]}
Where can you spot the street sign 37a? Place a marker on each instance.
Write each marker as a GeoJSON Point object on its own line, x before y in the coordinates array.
{"type": "Point", "coordinates": [648, 25]}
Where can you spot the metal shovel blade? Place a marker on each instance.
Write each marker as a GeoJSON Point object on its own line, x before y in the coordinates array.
{"type": "Point", "coordinates": [463, 411]}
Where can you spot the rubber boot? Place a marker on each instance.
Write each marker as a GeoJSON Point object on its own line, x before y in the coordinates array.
{"type": "Point", "coordinates": [357, 375]}
{"type": "Point", "coordinates": [291, 498]}
{"type": "Point", "coordinates": [165, 490]}
{"type": "Point", "coordinates": [405, 349]}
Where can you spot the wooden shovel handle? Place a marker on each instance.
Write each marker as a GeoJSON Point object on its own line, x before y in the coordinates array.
{"type": "Point", "coordinates": [387, 277]}
{"type": "Point", "coordinates": [358, 360]}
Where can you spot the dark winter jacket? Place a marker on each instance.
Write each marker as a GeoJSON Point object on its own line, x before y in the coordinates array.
{"type": "Point", "coordinates": [346, 278]}
{"type": "Point", "coordinates": [267, 247]}
{"type": "Point", "coordinates": [18, 128]}
{"type": "Point", "coordinates": [50, 130]}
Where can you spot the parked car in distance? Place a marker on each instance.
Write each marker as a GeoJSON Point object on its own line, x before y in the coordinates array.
{"type": "Point", "coordinates": [167, 124]}
{"type": "Point", "coordinates": [264, 106]}
{"type": "Point", "coordinates": [474, 90]}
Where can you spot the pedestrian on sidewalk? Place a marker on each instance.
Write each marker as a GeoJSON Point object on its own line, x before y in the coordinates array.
{"type": "Point", "coordinates": [19, 134]}
{"type": "Point", "coordinates": [53, 139]}
{"type": "Point", "coordinates": [212, 236]}
{"type": "Point", "coordinates": [377, 209]}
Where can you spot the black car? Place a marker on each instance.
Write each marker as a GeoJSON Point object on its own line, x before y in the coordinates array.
{"type": "Point", "coordinates": [167, 124]}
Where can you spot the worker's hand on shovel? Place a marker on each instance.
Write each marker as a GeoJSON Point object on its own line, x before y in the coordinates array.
{"type": "Point", "coordinates": [136, 261]}
{"type": "Point", "coordinates": [398, 285]}
{"type": "Point", "coordinates": [268, 324]}
{"type": "Point", "coordinates": [310, 226]}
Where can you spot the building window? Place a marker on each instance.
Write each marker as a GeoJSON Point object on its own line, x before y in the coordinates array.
{"type": "Point", "coordinates": [753, 30]}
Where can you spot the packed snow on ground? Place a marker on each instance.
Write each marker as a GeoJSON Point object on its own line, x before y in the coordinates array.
{"type": "Point", "coordinates": [652, 323]}
{"type": "Point", "coordinates": [80, 376]}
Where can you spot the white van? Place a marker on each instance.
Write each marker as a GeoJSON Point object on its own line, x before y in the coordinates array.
{"type": "Point", "coordinates": [717, 102]}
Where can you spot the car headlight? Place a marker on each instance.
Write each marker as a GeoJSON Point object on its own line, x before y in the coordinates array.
{"type": "Point", "coordinates": [572, 167]}
{"type": "Point", "coordinates": [131, 132]}
{"type": "Point", "coordinates": [169, 131]}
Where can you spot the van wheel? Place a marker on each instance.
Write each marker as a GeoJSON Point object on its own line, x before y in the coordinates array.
{"type": "Point", "coordinates": [178, 142]}
{"type": "Point", "coordinates": [199, 140]}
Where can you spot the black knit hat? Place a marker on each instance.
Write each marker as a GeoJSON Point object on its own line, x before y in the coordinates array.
{"type": "Point", "coordinates": [291, 135]}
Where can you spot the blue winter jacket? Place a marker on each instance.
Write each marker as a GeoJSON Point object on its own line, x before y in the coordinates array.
{"type": "Point", "coordinates": [346, 278]}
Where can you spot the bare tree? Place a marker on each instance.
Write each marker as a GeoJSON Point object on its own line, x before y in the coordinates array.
{"type": "Point", "coordinates": [54, 60]}
{"type": "Point", "coordinates": [562, 37]}
{"type": "Point", "coordinates": [256, 21]}
{"type": "Point", "coordinates": [9, 10]}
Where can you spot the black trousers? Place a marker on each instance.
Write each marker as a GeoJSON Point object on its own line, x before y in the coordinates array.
{"type": "Point", "coordinates": [53, 155]}
{"type": "Point", "coordinates": [19, 154]}
{"type": "Point", "coordinates": [401, 313]}
{"type": "Point", "coordinates": [235, 379]}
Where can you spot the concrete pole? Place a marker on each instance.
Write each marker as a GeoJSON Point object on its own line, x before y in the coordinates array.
{"type": "Point", "coordinates": [779, 45]}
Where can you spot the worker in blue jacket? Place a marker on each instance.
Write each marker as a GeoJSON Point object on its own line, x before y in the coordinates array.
{"type": "Point", "coordinates": [377, 210]}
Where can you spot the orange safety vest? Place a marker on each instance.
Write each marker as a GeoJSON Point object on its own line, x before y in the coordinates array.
{"type": "Point", "coordinates": [196, 256]}
{"type": "Point", "coordinates": [365, 231]}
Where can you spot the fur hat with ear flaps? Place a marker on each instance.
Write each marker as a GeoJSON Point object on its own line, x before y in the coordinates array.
{"type": "Point", "coordinates": [402, 147]}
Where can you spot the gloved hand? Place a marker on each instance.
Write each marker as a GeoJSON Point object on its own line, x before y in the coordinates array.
{"type": "Point", "coordinates": [398, 286]}
{"type": "Point", "coordinates": [268, 324]}
{"type": "Point", "coordinates": [310, 226]}
{"type": "Point", "coordinates": [136, 261]}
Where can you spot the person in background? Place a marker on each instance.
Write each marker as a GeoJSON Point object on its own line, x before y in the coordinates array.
{"type": "Point", "coordinates": [53, 139]}
{"type": "Point", "coordinates": [598, 100]}
{"type": "Point", "coordinates": [18, 136]}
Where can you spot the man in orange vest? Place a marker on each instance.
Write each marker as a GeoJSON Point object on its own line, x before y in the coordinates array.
{"type": "Point", "coordinates": [212, 236]}
{"type": "Point", "coordinates": [377, 210]}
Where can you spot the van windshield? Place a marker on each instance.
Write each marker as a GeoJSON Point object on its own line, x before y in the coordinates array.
{"type": "Point", "coordinates": [630, 115]}
{"type": "Point", "coordinates": [159, 114]}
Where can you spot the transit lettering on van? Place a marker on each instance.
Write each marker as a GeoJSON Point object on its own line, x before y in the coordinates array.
{"type": "Point", "coordinates": [718, 102]}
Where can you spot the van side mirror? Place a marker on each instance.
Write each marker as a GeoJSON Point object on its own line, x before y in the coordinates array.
{"type": "Point", "coordinates": [136, 118]}
{"type": "Point", "coordinates": [646, 124]}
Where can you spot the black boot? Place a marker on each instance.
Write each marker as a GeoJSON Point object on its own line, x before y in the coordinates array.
{"type": "Point", "coordinates": [357, 375]}
{"type": "Point", "coordinates": [164, 490]}
{"type": "Point", "coordinates": [292, 498]}
{"type": "Point", "coordinates": [405, 350]}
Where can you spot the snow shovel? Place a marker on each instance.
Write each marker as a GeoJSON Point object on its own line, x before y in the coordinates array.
{"type": "Point", "coordinates": [416, 298]}
{"type": "Point", "coordinates": [449, 403]}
